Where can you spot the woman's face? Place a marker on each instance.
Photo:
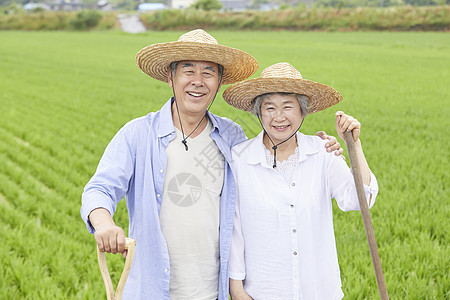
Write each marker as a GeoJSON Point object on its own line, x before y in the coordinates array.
{"type": "Point", "coordinates": [280, 116]}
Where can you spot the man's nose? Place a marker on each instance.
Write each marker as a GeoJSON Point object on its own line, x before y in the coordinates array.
{"type": "Point", "coordinates": [197, 80]}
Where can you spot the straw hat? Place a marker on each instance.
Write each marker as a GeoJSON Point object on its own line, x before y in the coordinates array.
{"type": "Point", "coordinates": [196, 45]}
{"type": "Point", "coordinates": [281, 77]}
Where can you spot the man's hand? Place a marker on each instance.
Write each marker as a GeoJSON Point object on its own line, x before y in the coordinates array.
{"type": "Point", "coordinates": [110, 238]}
{"type": "Point", "coordinates": [332, 145]}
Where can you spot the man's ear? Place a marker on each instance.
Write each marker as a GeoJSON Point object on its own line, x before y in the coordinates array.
{"type": "Point", "coordinates": [169, 77]}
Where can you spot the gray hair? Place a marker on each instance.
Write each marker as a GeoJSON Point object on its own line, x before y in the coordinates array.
{"type": "Point", "coordinates": [303, 100]}
{"type": "Point", "coordinates": [173, 68]}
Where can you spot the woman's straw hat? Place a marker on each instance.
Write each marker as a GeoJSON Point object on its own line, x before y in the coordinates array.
{"type": "Point", "coordinates": [281, 78]}
{"type": "Point", "coordinates": [196, 45]}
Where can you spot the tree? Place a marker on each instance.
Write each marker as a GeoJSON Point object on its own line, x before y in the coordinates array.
{"type": "Point", "coordinates": [207, 4]}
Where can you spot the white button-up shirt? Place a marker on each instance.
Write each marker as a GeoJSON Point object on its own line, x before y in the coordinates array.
{"type": "Point", "coordinates": [283, 244]}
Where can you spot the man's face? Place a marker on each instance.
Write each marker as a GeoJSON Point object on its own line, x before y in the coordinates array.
{"type": "Point", "coordinates": [195, 85]}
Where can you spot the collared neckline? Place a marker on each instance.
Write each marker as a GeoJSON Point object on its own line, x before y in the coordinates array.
{"type": "Point", "coordinates": [166, 126]}
{"type": "Point", "coordinates": [213, 120]}
{"type": "Point", "coordinates": [307, 145]}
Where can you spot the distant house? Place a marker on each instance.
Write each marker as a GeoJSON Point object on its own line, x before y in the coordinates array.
{"type": "Point", "coordinates": [143, 7]}
{"type": "Point", "coordinates": [31, 6]}
{"type": "Point", "coordinates": [66, 5]}
{"type": "Point", "coordinates": [180, 4]}
{"type": "Point", "coordinates": [104, 5]}
{"type": "Point", "coordinates": [235, 5]}
{"type": "Point", "coordinates": [268, 6]}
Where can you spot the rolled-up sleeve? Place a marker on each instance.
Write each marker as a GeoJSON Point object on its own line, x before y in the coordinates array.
{"type": "Point", "coordinates": [111, 179]}
{"type": "Point", "coordinates": [343, 188]}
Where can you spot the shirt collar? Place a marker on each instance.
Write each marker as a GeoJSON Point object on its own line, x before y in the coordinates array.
{"type": "Point", "coordinates": [166, 126]}
{"type": "Point", "coordinates": [213, 120]}
{"type": "Point", "coordinates": [307, 145]}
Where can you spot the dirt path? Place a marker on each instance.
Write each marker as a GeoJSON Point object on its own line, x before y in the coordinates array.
{"type": "Point", "coordinates": [131, 23]}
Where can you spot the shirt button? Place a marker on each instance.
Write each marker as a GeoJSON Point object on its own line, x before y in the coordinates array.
{"type": "Point", "coordinates": [165, 244]}
{"type": "Point", "coordinates": [158, 195]}
{"type": "Point", "coordinates": [295, 253]}
{"type": "Point", "coordinates": [294, 230]}
{"type": "Point", "coordinates": [292, 205]}
{"type": "Point", "coordinates": [165, 270]}
{"type": "Point", "coordinates": [293, 184]}
{"type": "Point", "coordinates": [160, 171]}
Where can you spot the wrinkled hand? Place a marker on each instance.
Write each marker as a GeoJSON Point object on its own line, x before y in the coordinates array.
{"type": "Point", "coordinates": [332, 145]}
{"type": "Point", "coordinates": [347, 123]}
{"type": "Point", "coordinates": [111, 239]}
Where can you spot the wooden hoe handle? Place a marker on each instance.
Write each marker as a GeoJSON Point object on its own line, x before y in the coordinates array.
{"type": "Point", "coordinates": [366, 215]}
{"type": "Point", "coordinates": [130, 245]}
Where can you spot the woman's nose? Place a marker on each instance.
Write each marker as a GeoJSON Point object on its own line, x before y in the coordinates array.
{"type": "Point", "coordinates": [279, 115]}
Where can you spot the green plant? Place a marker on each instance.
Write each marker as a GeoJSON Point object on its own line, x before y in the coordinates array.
{"type": "Point", "coordinates": [85, 20]}
{"type": "Point", "coordinates": [65, 95]}
{"type": "Point", "coordinates": [207, 4]}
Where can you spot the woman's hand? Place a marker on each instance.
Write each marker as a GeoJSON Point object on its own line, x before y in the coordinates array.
{"type": "Point", "coordinates": [347, 123]}
{"type": "Point", "coordinates": [237, 291]}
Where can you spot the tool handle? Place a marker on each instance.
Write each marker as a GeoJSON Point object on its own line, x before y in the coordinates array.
{"type": "Point", "coordinates": [130, 245]}
{"type": "Point", "coordinates": [366, 215]}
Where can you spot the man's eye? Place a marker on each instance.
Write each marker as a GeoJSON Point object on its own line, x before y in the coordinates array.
{"type": "Point", "coordinates": [208, 74]}
{"type": "Point", "coordinates": [189, 72]}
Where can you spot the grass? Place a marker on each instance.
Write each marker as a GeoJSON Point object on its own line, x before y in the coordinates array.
{"type": "Point", "coordinates": [394, 18]}
{"type": "Point", "coordinates": [65, 94]}
{"type": "Point", "coordinates": [401, 18]}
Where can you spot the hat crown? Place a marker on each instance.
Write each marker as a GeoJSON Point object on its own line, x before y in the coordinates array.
{"type": "Point", "coordinates": [198, 36]}
{"type": "Point", "coordinates": [281, 70]}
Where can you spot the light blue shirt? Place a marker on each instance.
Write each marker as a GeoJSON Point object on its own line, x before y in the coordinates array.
{"type": "Point", "coordinates": [134, 165]}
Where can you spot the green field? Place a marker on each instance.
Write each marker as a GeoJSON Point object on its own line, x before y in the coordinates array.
{"type": "Point", "coordinates": [63, 95]}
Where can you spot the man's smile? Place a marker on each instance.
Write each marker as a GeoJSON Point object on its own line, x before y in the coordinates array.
{"type": "Point", "coordinates": [195, 94]}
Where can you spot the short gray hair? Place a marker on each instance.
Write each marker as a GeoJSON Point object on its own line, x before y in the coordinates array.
{"type": "Point", "coordinates": [173, 68]}
{"type": "Point", "coordinates": [303, 100]}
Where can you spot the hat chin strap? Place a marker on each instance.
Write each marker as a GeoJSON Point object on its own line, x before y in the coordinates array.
{"type": "Point", "coordinates": [276, 146]}
{"type": "Point", "coordinates": [184, 140]}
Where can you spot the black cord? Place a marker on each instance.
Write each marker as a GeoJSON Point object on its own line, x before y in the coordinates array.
{"type": "Point", "coordinates": [184, 140]}
{"type": "Point", "coordinates": [275, 147]}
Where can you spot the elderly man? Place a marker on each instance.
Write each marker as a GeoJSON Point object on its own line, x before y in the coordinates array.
{"type": "Point", "coordinates": [173, 167]}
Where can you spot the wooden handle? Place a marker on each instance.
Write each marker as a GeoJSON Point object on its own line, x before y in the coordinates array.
{"type": "Point", "coordinates": [130, 245]}
{"type": "Point", "coordinates": [366, 215]}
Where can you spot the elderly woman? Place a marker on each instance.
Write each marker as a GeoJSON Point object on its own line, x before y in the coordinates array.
{"type": "Point", "coordinates": [283, 244]}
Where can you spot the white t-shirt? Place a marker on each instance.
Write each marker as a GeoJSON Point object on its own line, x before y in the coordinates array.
{"type": "Point", "coordinates": [189, 215]}
{"type": "Point", "coordinates": [283, 241]}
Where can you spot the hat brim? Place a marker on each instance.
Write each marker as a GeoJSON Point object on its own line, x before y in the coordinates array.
{"type": "Point", "coordinates": [320, 96]}
{"type": "Point", "coordinates": [155, 59]}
